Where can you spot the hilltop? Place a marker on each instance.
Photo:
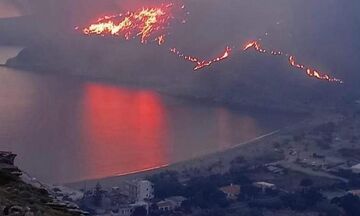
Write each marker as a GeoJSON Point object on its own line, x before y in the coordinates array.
{"type": "Point", "coordinates": [327, 42]}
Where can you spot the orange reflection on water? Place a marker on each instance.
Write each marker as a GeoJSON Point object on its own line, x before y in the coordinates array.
{"type": "Point", "coordinates": [125, 130]}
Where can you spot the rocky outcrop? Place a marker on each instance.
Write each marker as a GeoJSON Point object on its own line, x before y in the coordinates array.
{"type": "Point", "coordinates": [7, 157]}
{"type": "Point", "coordinates": [22, 199]}
{"type": "Point", "coordinates": [8, 171]}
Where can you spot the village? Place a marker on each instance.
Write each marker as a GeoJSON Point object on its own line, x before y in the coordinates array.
{"type": "Point", "coordinates": [308, 171]}
{"type": "Point", "coordinates": [312, 170]}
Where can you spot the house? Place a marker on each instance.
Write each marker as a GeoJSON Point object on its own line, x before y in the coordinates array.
{"type": "Point", "coordinates": [66, 194]}
{"type": "Point", "coordinates": [275, 170]}
{"type": "Point", "coordinates": [137, 190]}
{"type": "Point", "coordinates": [129, 189]}
{"type": "Point", "coordinates": [177, 200]}
{"type": "Point", "coordinates": [231, 191]}
{"type": "Point", "coordinates": [171, 203]}
{"type": "Point", "coordinates": [117, 196]}
{"type": "Point", "coordinates": [144, 204]}
{"type": "Point", "coordinates": [331, 194]}
{"type": "Point", "coordinates": [125, 210]}
{"type": "Point", "coordinates": [145, 190]}
{"type": "Point", "coordinates": [264, 186]}
{"type": "Point", "coordinates": [355, 192]}
{"type": "Point", "coordinates": [356, 169]}
{"type": "Point", "coordinates": [166, 205]}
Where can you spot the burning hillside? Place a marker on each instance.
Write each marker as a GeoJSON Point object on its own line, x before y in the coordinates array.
{"type": "Point", "coordinates": [152, 23]}
{"type": "Point", "coordinates": [156, 44]}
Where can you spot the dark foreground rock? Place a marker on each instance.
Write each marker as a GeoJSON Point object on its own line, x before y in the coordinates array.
{"type": "Point", "coordinates": [20, 198]}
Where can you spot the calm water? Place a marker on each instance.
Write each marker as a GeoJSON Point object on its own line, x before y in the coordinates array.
{"type": "Point", "coordinates": [66, 129]}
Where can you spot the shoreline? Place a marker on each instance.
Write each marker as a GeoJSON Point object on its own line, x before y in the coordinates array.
{"type": "Point", "coordinates": [252, 150]}
{"type": "Point", "coordinates": [202, 161]}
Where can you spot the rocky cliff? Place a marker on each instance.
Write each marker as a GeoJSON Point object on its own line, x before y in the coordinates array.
{"type": "Point", "coordinates": [20, 198]}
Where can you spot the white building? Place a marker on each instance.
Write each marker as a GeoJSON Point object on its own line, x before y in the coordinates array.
{"type": "Point", "coordinates": [137, 190]}
{"type": "Point", "coordinates": [356, 169]}
{"type": "Point", "coordinates": [355, 192]}
{"type": "Point", "coordinates": [177, 200]}
{"type": "Point", "coordinates": [145, 190]}
{"type": "Point", "coordinates": [264, 185]}
{"type": "Point", "coordinates": [127, 210]}
{"type": "Point", "coordinates": [166, 205]}
{"type": "Point", "coordinates": [171, 203]}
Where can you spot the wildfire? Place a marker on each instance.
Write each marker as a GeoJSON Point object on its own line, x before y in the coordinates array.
{"type": "Point", "coordinates": [292, 61]}
{"type": "Point", "coordinates": [200, 64]}
{"type": "Point", "coordinates": [151, 24]}
{"type": "Point", "coordinates": [144, 23]}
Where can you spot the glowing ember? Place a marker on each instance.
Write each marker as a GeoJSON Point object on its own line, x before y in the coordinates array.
{"type": "Point", "coordinates": [200, 64]}
{"type": "Point", "coordinates": [309, 71]}
{"type": "Point", "coordinates": [160, 39]}
{"type": "Point", "coordinates": [142, 23]}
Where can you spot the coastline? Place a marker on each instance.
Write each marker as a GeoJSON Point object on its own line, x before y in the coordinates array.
{"type": "Point", "coordinates": [254, 151]}
{"type": "Point", "coordinates": [200, 161]}
{"type": "Point", "coordinates": [251, 149]}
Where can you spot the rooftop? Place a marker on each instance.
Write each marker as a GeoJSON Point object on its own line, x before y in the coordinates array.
{"type": "Point", "coordinates": [231, 189]}
{"type": "Point", "coordinates": [357, 166]}
{"type": "Point", "coordinates": [164, 203]}
{"type": "Point", "coordinates": [355, 192]}
{"type": "Point", "coordinates": [176, 198]}
{"type": "Point", "coordinates": [265, 184]}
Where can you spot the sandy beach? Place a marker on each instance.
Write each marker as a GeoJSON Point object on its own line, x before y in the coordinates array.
{"type": "Point", "coordinates": [251, 149]}
{"type": "Point", "coordinates": [254, 151]}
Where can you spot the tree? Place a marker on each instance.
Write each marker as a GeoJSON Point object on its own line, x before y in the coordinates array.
{"type": "Point", "coordinates": [312, 197]}
{"type": "Point", "coordinates": [350, 203]}
{"type": "Point", "coordinates": [299, 137]}
{"type": "Point", "coordinates": [328, 209]}
{"type": "Point", "coordinates": [249, 192]}
{"type": "Point", "coordinates": [306, 182]}
{"type": "Point", "coordinates": [154, 210]}
{"type": "Point", "coordinates": [139, 211]}
{"type": "Point", "coordinates": [167, 184]}
{"type": "Point", "coordinates": [238, 177]}
{"type": "Point", "coordinates": [98, 194]}
{"type": "Point", "coordinates": [294, 201]}
{"type": "Point", "coordinates": [256, 212]}
{"type": "Point", "coordinates": [204, 193]}
{"type": "Point", "coordinates": [186, 206]}
{"type": "Point", "coordinates": [302, 200]}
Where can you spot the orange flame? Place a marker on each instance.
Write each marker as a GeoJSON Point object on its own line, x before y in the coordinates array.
{"type": "Point", "coordinates": [292, 61]}
{"type": "Point", "coordinates": [160, 40]}
{"type": "Point", "coordinates": [150, 23]}
{"type": "Point", "coordinates": [142, 23]}
{"type": "Point", "coordinates": [200, 64]}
